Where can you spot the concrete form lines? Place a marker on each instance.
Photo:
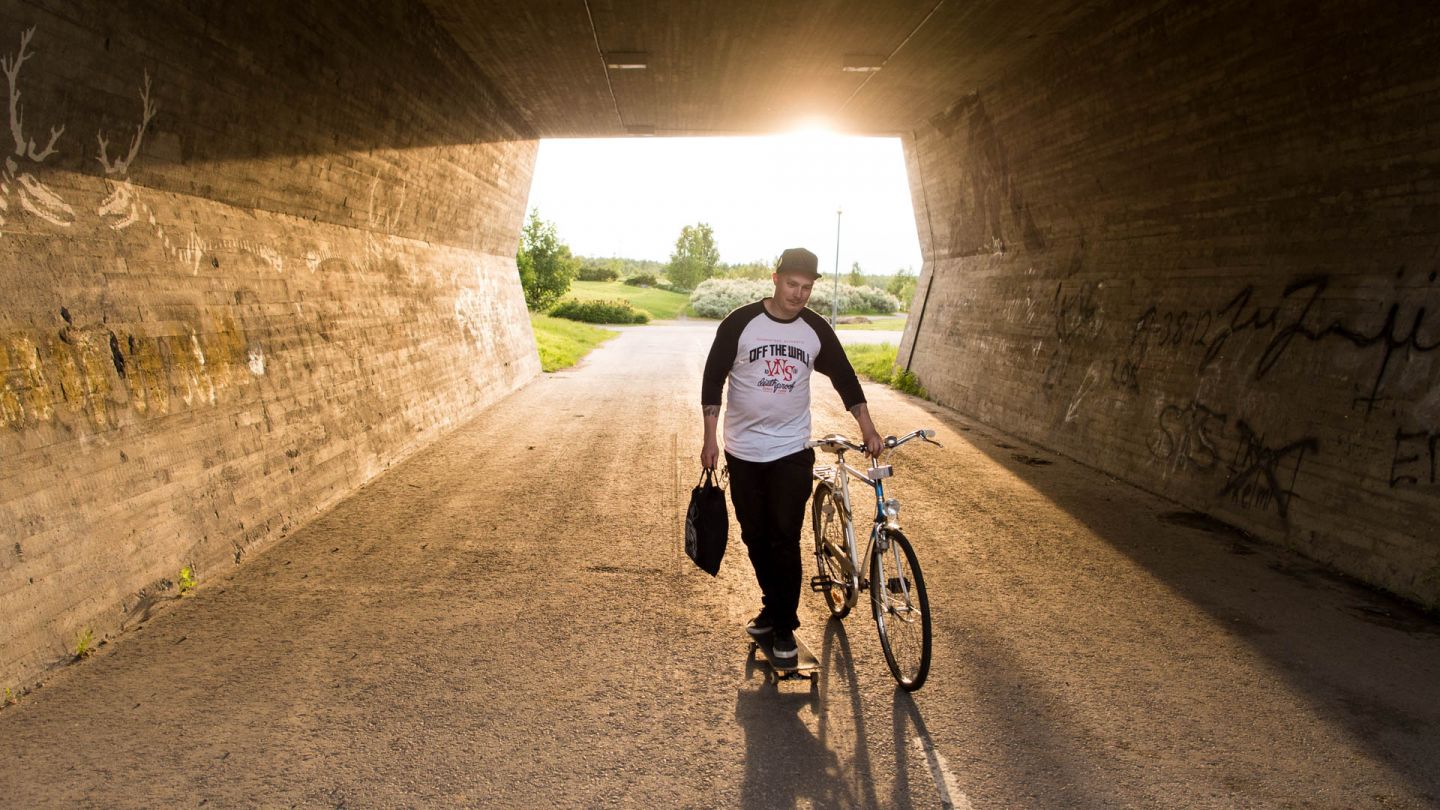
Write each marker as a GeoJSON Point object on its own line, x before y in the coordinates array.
{"type": "Point", "coordinates": [600, 52]}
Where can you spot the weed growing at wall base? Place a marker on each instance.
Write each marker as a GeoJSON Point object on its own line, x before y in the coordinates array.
{"type": "Point", "coordinates": [187, 580]}
{"type": "Point", "coordinates": [84, 644]}
{"type": "Point", "coordinates": [906, 381]}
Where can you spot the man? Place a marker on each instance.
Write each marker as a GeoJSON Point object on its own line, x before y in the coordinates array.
{"type": "Point", "coordinates": [767, 351]}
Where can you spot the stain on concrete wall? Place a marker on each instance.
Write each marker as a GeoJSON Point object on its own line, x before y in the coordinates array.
{"type": "Point", "coordinates": [221, 316]}
{"type": "Point", "coordinates": [1196, 248]}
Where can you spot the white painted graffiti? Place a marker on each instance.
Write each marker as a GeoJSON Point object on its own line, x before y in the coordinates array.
{"type": "Point", "coordinates": [122, 208]}
{"type": "Point", "coordinates": [34, 197]}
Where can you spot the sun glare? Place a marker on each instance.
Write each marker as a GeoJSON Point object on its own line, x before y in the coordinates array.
{"type": "Point", "coordinates": [810, 127]}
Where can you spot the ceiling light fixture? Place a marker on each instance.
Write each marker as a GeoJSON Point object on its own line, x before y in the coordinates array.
{"type": "Point", "coordinates": [632, 60]}
{"type": "Point", "coordinates": [862, 63]}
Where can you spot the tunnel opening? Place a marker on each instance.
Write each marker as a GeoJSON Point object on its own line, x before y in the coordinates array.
{"type": "Point", "coordinates": [844, 197]}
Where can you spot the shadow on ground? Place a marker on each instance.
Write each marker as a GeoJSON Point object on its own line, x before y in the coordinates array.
{"type": "Point", "coordinates": [1364, 662]}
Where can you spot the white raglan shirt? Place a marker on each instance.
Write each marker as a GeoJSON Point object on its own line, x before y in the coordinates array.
{"type": "Point", "coordinates": [767, 363]}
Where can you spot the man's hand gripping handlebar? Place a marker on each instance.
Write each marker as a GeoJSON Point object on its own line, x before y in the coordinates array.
{"type": "Point", "coordinates": [835, 442]}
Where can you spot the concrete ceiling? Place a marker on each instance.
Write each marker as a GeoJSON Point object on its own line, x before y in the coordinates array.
{"type": "Point", "coordinates": [745, 66]}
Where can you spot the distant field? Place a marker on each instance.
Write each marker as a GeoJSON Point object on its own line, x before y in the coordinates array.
{"type": "Point", "coordinates": [660, 304]}
{"type": "Point", "coordinates": [563, 343]}
{"type": "Point", "coordinates": [895, 323]}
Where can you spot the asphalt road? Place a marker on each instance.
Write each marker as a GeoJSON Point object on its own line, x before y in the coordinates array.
{"type": "Point", "coordinates": [507, 620]}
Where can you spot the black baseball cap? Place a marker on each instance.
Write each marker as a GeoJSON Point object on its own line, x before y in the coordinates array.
{"type": "Point", "coordinates": [798, 260]}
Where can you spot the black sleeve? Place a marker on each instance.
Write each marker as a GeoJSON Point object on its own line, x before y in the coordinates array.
{"type": "Point", "coordinates": [722, 354]}
{"type": "Point", "coordinates": [832, 362]}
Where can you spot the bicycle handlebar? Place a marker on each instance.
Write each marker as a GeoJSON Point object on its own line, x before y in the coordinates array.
{"type": "Point", "coordinates": [835, 442]}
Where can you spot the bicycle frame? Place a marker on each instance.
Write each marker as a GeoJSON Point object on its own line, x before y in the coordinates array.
{"type": "Point", "coordinates": [839, 479]}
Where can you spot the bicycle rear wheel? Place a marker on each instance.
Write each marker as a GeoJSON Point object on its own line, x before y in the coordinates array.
{"type": "Point", "coordinates": [831, 558]}
{"type": "Point", "coordinates": [902, 610]}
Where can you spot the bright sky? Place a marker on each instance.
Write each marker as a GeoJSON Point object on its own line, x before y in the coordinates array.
{"type": "Point", "coordinates": [630, 197]}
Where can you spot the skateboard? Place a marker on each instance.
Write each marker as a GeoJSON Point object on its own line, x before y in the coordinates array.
{"type": "Point", "coordinates": [803, 665]}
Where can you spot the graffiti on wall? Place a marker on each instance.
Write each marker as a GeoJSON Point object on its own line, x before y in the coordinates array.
{"type": "Point", "coordinates": [1257, 474]}
{"type": "Point", "coordinates": [1186, 436]}
{"type": "Point", "coordinates": [1293, 318]}
{"type": "Point", "coordinates": [16, 182]}
{"type": "Point", "coordinates": [90, 370]}
{"type": "Point", "coordinates": [96, 369]}
{"type": "Point", "coordinates": [1382, 348]}
{"type": "Point", "coordinates": [1262, 475]}
{"type": "Point", "coordinates": [1415, 458]}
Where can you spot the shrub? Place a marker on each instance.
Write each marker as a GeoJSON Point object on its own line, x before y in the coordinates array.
{"type": "Point", "coordinates": [611, 311]}
{"type": "Point", "coordinates": [592, 273]}
{"type": "Point", "coordinates": [643, 280]}
{"type": "Point", "coordinates": [717, 297]}
{"type": "Point", "coordinates": [853, 300]}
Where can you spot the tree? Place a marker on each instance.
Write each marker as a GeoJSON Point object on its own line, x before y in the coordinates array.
{"type": "Point", "coordinates": [902, 286]}
{"type": "Point", "coordinates": [695, 257]}
{"type": "Point", "coordinates": [545, 264]}
{"type": "Point", "coordinates": [756, 269]}
{"type": "Point", "coordinates": [857, 278]}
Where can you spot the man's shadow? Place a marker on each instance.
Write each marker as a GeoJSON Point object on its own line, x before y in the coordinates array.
{"type": "Point", "coordinates": [804, 742]}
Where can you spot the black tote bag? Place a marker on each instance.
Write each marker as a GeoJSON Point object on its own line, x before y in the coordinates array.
{"type": "Point", "coordinates": [707, 524]}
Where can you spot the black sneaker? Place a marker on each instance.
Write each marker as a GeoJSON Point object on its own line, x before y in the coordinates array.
{"type": "Point", "coordinates": [784, 644]}
{"type": "Point", "coordinates": [760, 625]}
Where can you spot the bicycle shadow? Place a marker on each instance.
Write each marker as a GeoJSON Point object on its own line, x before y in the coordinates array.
{"type": "Point", "coordinates": [904, 708]}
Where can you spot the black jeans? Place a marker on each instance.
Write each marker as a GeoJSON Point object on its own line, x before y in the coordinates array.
{"type": "Point", "coordinates": [770, 498]}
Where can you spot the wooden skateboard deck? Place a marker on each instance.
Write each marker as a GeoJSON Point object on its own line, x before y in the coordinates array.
{"type": "Point", "coordinates": [803, 665]}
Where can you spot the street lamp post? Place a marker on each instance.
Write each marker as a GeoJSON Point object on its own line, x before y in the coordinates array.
{"type": "Point", "coordinates": [835, 299]}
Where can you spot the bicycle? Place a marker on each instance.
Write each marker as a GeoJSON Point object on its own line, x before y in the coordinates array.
{"type": "Point", "coordinates": [899, 602]}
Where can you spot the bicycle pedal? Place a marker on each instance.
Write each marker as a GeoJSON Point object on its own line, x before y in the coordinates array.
{"type": "Point", "coordinates": [820, 584]}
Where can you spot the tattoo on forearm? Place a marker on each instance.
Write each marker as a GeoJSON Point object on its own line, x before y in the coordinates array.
{"type": "Point", "coordinates": [710, 410]}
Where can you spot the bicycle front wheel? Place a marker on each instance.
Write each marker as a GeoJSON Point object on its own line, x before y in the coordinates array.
{"type": "Point", "coordinates": [830, 555]}
{"type": "Point", "coordinates": [902, 610]}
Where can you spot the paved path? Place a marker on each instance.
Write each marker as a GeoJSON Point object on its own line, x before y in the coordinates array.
{"type": "Point", "coordinates": [506, 620]}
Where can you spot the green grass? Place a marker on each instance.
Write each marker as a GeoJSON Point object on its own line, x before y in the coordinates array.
{"type": "Point", "coordinates": [659, 304]}
{"type": "Point", "coordinates": [562, 343]}
{"type": "Point", "coordinates": [889, 323]}
{"type": "Point", "coordinates": [876, 361]}
{"type": "Point", "coordinates": [84, 643]}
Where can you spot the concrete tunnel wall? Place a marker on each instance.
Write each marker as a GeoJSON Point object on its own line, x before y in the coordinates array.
{"type": "Point", "coordinates": [221, 318]}
{"type": "Point", "coordinates": [1196, 248]}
